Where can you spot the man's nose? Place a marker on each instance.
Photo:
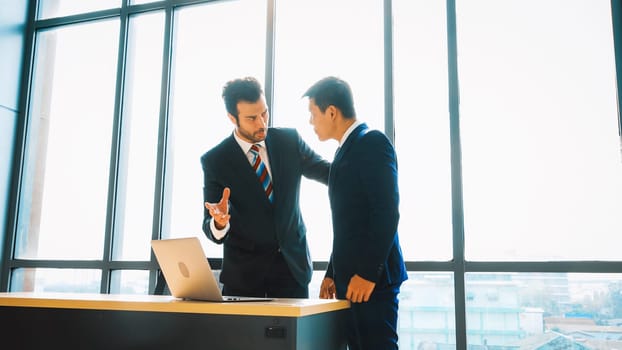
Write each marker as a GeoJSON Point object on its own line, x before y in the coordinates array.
{"type": "Point", "coordinates": [262, 121]}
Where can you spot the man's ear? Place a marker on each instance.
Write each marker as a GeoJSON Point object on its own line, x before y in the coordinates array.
{"type": "Point", "coordinates": [331, 111]}
{"type": "Point", "coordinates": [232, 118]}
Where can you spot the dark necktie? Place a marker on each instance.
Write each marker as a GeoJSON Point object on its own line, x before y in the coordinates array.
{"type": "Point", "coordinates": [262, 172]}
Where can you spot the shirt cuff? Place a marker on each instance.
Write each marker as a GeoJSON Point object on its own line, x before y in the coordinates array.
{"type": "Point", "coordinates": [218, 234]}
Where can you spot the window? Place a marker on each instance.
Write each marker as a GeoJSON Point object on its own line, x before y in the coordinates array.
{"type": "Point", "coordinates": [510, 194]}
{"type": "Point", "coordinates": [205, 58]}
{"type": "Point", "coordinates": [422, 129]}
{"type": "Point", "coordinates": [135, 200]}
{"type": "Point", "coordinates": [541, 150]}
{"type": "Point", "coordinates": [515, 309]}
{"type": "Point", "coordinates": [63, 206]}
{"type": "Point", "coordinates": [301, 47]}
{"type": "Point", "coordinates": [60, 8]}
{"type": "Point", "coordinates": [55, 280]}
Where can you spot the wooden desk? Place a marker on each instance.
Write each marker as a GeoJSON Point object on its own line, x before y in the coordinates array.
{"type": "Point", "coordinates": [108, 321]}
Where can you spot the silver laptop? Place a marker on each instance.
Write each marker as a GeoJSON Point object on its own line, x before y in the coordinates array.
{"type": "Point", "coordinates": [187, 271]}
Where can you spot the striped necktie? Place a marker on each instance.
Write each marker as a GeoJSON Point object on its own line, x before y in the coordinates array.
{"type": "Point", "coordinates": [262, 172]}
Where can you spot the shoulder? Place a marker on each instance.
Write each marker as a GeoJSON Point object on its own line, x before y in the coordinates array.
{"type": "Point", "coordinates": [223, 149]}
{"type": "Point", "coordinates": [374, 135]}
{"type": "Point", "coordinates": [373, 138]}
{"type": "Point", "coordinates": [283, 138]}
{"type": "Point", "coordinates": [287, 133]}
{"type": "Point", "coordinates": [373, 144]}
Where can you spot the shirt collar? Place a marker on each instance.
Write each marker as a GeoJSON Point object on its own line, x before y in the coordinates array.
{"type": "Point", "coordinates": [246, 146]}
{"type": "Point", "coordinates": [348, 132]}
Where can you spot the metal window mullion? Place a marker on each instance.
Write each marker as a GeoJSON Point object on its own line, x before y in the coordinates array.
{"type": "Point", "coordinates": [456, 178]}
{"type": "Point", "coordinates": [21, 137]}
{"type": "Point", "coordinates": [616, 19]}
{"type": "Point", "coordinates": [118, 155]}
{"type": "Point", "coordinates": [544, 267]}
{"type": "Point", "coordinates": [162, 188]}
{"type": "Point", "coordinates": [81, 264]}
{"type": "Point", "coordinates": [269, 69]}
{"type": "Point", "coordinates": [389, 122]}
{"type": "Point", "coordinates": [76, 19]}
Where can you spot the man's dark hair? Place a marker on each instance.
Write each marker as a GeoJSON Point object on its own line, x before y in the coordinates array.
{"type": "Point", "coordinates": [332, 91]}
{"type": "Point", "coordinates": [243, 89]}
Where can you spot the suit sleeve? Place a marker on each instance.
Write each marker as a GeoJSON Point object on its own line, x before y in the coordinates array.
{"type": "Point", "coordinates": [329, 269]}
{"type": "Point", "coordinates": [212, 192]}
{"type": "Point", "coordinates": [380, 182]}
{"type": "Point", "coordinates": [314, 167]}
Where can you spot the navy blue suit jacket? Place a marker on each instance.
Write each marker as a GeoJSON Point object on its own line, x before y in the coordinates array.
{"type": "Point", "coordinates": [260, 228]}
{"type": "Point", "coordinates": [364, 200]}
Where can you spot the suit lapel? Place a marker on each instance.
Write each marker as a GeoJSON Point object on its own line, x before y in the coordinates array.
{"type": "Point", "coordinates": [237, 158]}
{"type": "Point", "coordinates": [356, 133]}
{"type": "Point", "coordinates": [240, 168]}
{"type": "Point", "coordinates": [343, 150]}
{"type": "Point", "coordinates": [274, 158]}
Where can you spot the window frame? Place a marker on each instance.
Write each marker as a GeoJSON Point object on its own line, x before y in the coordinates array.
{"type": "Point", "coordinates": [458, 266]}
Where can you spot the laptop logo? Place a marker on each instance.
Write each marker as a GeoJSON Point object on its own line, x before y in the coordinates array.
{"type": "Point", "coordinates": [183, 269]}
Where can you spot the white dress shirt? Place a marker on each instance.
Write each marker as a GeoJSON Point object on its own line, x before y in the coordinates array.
{"type": "Point", "coordinates": [246, 148]}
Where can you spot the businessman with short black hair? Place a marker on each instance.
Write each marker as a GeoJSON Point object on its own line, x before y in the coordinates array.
{"type": "Point", "coordinates": [366, 265]}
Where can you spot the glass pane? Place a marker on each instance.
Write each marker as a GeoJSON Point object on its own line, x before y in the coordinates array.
{"type": "Point", "coordinates": [305, 52]}
{"type": "Point", "coordinates": [55, 280]}
{"type": "Point", "coordinates": [64, 196]}
{"type": "Point", "coordinates": [539, 124]}
{"type": "Point", "coordinates": [8, 125]}
{"type": "Point", "coordinates": [129, 282]}
{"type": "Point", "coordinates": [60, 8]}
{"type": "Point", "coordinates": [140, 125]}
{"type": "Point", "coordinates": [422, 128]}
{"type": "Point", "coordinates": [426, 318]}
{"type": "Point", "coordinates": [206, 57]}
{"type": "Point", "coordinates": [543, 310]}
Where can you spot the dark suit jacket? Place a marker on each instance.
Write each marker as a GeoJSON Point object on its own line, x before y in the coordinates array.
{"type": "Point", "coordinates": [364, 200]}
{"type": "Point", "coordinates": [258, 228]}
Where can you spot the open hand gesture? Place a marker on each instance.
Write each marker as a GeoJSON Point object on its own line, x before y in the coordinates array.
{"type": "Point", "coordinates": [220, 211]}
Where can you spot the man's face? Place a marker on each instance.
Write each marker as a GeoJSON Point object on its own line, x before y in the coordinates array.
{"type": "Point", "coordinates": [321, 121]}
{"type": "Point", "coordinates": [252, 123]}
